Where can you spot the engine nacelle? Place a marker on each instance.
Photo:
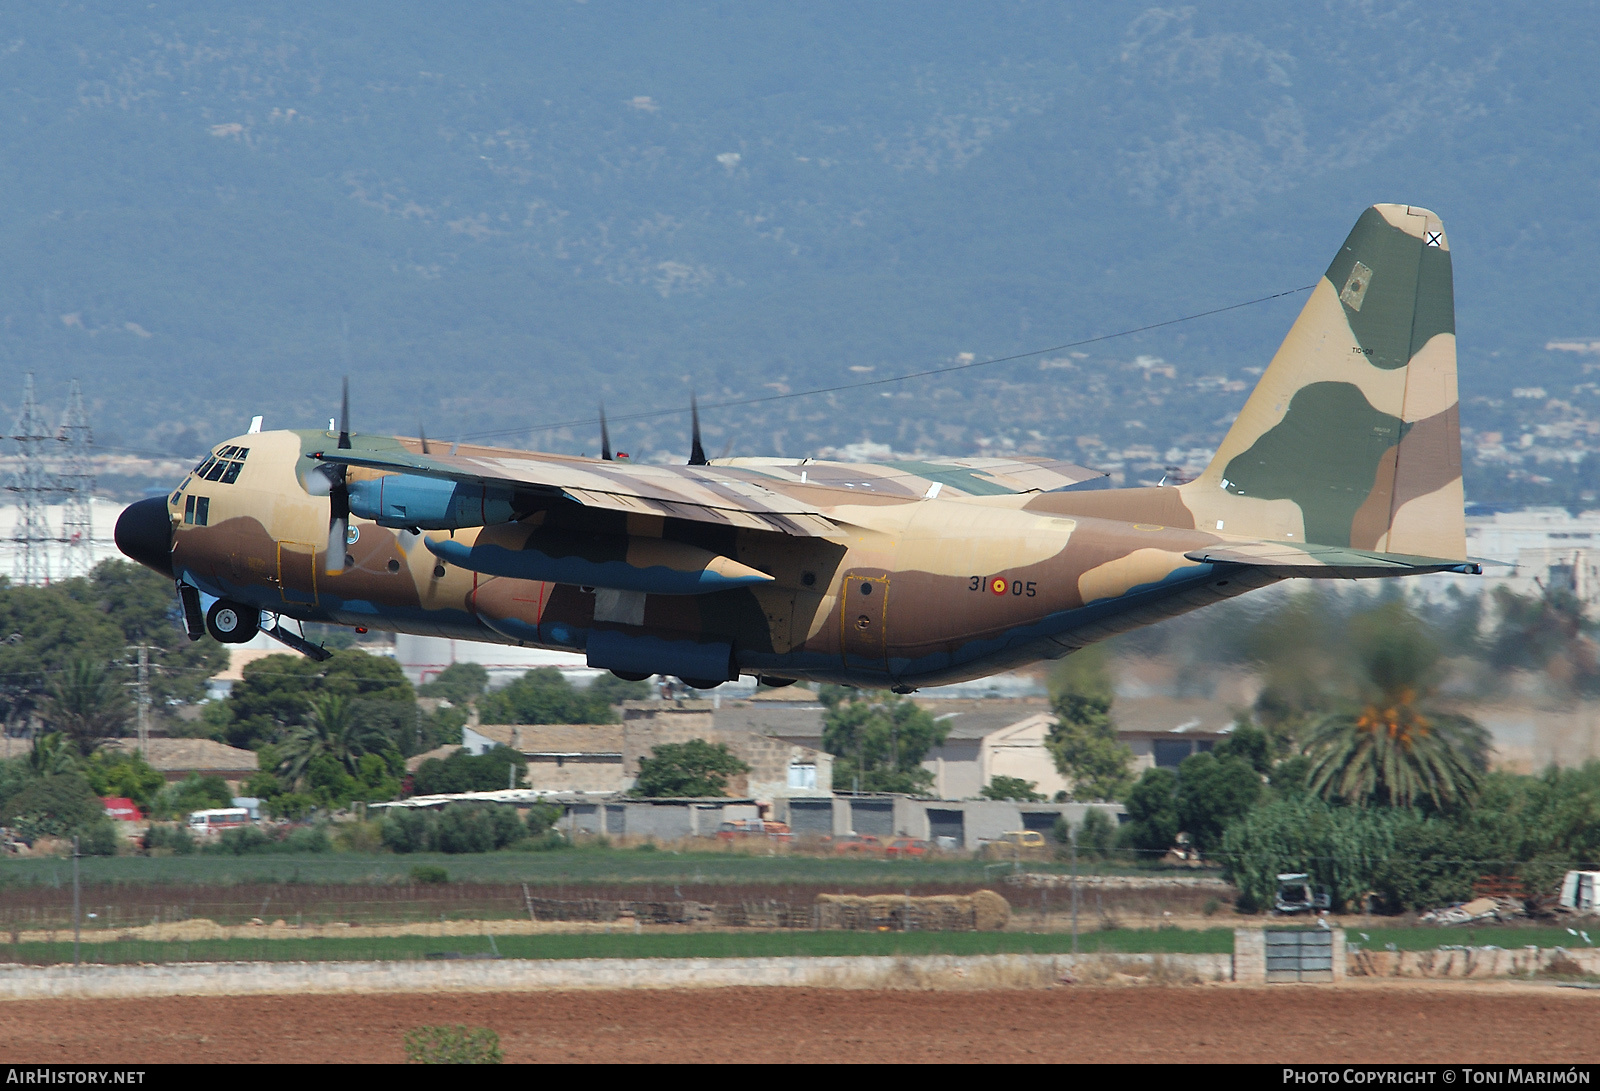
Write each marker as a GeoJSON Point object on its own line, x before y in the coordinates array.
{"type": "Point", "coordinates": [429, 503]}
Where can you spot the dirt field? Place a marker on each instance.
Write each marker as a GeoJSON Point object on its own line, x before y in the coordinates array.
{"type": "Point", "coordinates": [1461, 1024]}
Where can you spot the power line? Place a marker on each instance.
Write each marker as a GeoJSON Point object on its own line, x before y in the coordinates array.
{"type": "Point", "coordinates": [965, 365]}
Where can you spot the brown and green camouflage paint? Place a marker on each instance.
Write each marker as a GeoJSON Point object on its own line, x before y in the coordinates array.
{"type": "Point", "coordinates": [1345, 461]}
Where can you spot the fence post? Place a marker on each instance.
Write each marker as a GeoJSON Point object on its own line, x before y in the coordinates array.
{"type": "Point", "coordinates": [75, 903]}
{"type": "Point", "coordinates": [1072, 840]}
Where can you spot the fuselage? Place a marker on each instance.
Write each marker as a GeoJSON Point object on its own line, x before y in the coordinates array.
{"type": "Point", "coordinates": [911, 590]}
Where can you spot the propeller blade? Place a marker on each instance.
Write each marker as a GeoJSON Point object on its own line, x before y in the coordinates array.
{"type": "Point", "coordinates": [338, 526]}
{"type": "Point", "coordinates": [344, 416]}
{"type": "Point", "coordinates": [422, 434]}
{"type": "Point", "coordinates": [339, 494]}
{"type": "Point", "coordinates": [605, 436]}
{"type": "Point", "coordinates": [338, 533]}
{"type": "Point", "coordinates": [697, 451]}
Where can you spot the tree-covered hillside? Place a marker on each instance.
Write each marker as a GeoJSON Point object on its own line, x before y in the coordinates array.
{"type": "Point", "coordinates": [493, 215]}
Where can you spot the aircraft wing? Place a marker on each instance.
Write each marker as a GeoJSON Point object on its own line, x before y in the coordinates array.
{"type": "Point", "coordinates": [1294, 559]}
{"type": "Point", "coordinates": [786, 496]}
{"type": "Point", "coordinates": [705, 494]}
{"type": "Point", "coordinates": [916, 478]}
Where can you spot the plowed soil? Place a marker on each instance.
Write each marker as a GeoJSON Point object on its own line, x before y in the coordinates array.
{"type": "Point", "coordinates": [1306, 1024]}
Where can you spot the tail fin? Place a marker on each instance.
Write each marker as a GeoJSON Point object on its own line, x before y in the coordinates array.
{"type": "Point", "coordinates": [1352, 437]}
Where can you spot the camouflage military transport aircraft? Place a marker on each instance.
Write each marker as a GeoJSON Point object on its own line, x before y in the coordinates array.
{"type": "Point", "coordinates": [1345, 463]}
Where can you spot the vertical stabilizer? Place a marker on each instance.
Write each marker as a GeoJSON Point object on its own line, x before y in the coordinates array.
{"type": "Point", "coordinates": [1352, 437]}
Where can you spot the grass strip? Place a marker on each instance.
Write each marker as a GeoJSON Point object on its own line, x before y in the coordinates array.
{"type": "Point", "coordinates": [576, 865]}
{"type": "Point", "coordinates": [625, 945]}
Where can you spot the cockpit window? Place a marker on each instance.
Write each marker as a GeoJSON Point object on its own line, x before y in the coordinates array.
{"type": "Point", "coordinates": [224, 466]}
{"type": "Point", "coordinates": [197, 510]}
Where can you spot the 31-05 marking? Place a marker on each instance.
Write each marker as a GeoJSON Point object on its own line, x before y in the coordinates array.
{"type": "Point", "coordinates": [999, 585]}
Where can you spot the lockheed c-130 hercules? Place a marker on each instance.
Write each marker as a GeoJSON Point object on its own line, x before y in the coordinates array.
{"type": "Point", "coordinates": [1344, 463]}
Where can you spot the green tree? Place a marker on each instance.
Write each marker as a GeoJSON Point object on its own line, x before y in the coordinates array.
{"type": "Point", "coordinates": [1392, 747]}
{"type": "Point", "coordinates": [126, 775]}
{"type": "Point", "coordinates": [1012, 788]}
{"type": "Point", "coordinates": [543, 696]}
{"type": "Point", "coordinates": [54, 753]}
{"type": "Point", "coordinates": [459, 683]}
{"type": "Point", "coordinates": [613, 690]}
{"type": "Point", "coordinates": [275, 694]}
{"type": "Point", "coordinates": [879, 740]}
{"type": "Point", "coordinates": [140, 603]}
{"type": "Point", "coordinates": [193, 793]}
{"type": "Point", "coordinates": [1247, 742]}
{"type": "Point", "coordinates": [1212, 792]}
{"type": "Point", "coordinates": [689, 769]}
{"type": "Point", "coordinates": [1083, 739]}
{"type": "Point", "coordinates": [495, 769]}
{"type": "Point", "coordinates": [57, 805]}
{"type": "Point", "coordinates": [1153, 820]}
{"type": "Point", "coordinates": [85, 704]}
{"type": "Point", "coordinates": [329, 732]}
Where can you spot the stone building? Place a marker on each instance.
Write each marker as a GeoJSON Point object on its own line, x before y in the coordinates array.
{"type": "Point", "coordinates": [605, 757]}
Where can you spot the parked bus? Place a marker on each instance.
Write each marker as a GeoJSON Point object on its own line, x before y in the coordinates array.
{"type": "Point", "coordinates": [222, 818]}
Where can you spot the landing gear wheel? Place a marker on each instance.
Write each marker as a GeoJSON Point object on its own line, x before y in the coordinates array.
{"type": "Point", "coordinates": [630, 676]}
{"type": "Point", "coordinates": [702, 683]}
{"type": "Point", "coordinates": [230, 623]}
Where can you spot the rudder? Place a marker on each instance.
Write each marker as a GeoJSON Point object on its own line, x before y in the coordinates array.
{"type": "Point", "coordinates": [1352, 437]}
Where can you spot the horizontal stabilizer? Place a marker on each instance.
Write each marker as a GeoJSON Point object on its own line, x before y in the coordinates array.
{"type": "Point", "coordinates": [1341, 562]}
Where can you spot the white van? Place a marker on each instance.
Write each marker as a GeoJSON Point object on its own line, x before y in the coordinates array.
{"type": "Point", "coordinates": [1580, 891]}
{"type": "Point", "coordinates": [222, 818]}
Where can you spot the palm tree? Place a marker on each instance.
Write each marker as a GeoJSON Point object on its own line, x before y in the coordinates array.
{"type": "Point", "coordinates": [85, 704]}
{"type": "Point", "coordinates": [329, 729]}
{"type": "Point", "coordinates": [54, 753]}
{"type": "Point", "coordinates": [1394, 746]}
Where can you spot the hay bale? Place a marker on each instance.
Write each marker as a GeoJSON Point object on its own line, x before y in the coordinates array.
{"type": "Point", "coordinates": [983, 911]}
{"type": "Point", "coordinates": [990, 911]}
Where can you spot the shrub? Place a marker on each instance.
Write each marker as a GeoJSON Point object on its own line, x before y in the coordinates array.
{"type": "Point", "coordinates": [453, 1045]}
{"type": "Point", "coordinates": [360, 836]}
{"type": "Point", "coordinates": [252, 840]}
{"type": "Point", "coordinates": [463, 827]}
{"type": "Point", "coordinates": [542, 818]}
{"type": "Point", "coordinates": [291, 805]}
{"type": "Point", "coordinates": [1341, 848]}
{"type": "Point", "coordinates": [406, 830]}
{"type": "Point", "coordinates": [193, 793]}
{"type": "Point", "coordinates": [306, 839]}
{"type": "Point", "coordinates": [100, 839]}
{"type": "Point", "coordinates": [241, 841]}
{"type": "Point", "coordinates": [177, 839]}
{"type": "Point", "coordinates": [1096, 834]}
{"type": "Point", "coordinates": [1011, 788]}
{"type": "Point", "coordinates": [429, 873]}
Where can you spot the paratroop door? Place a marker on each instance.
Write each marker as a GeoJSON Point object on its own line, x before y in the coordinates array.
{"type": "Point", "coordinates": [863, 618]}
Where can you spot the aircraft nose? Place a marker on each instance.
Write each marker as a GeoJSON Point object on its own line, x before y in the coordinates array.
{"type": "Point", "coordinates": [144, 533]}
